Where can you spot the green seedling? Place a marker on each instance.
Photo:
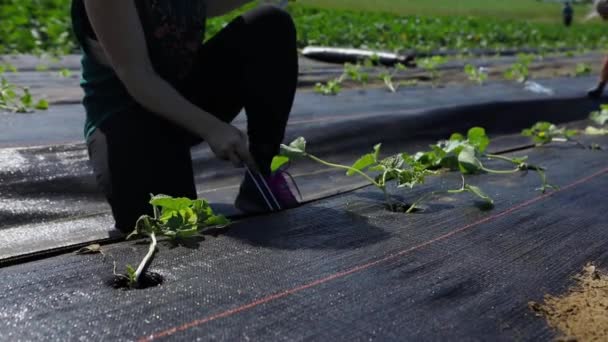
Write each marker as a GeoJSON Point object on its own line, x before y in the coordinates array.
{"type": "Point", "coordinates": [18, 99]}
{"type": "Point", "coordinates": [596, 131]}
{"type": "Point", "coordinates": [545, 132]}
{"type": "Point", "coordinates": [582, 69]}
{"type": "Point", "coordinates": [477, 75]}
{"type": "Point", "coordinates": [332, 87]}
{"type": "Point", "coordinates": [465, 154]}
{"type": "Point", "coordinates": [42, 67]}
{"type": "Point", "coordinates": [459, 153]}
{"type": "Point", "coordinates": [372, 61]}
{"type": "Point", "coordinates": [130, 275]}
{"type": "Point", "coordinates": [400, 168]}
{"type": "Point", "coordinates": [175, 218]}
{"type": "Point", "coordinates": [7, 68]}
{"type": "Point", "coordinates": [520, 71]}
{"type": "Point", "coordinates": [387, 77]}
{"type": "Point", "coordinates": [432, 65]}
{"type": "Point", "coordinates": [65, 73]}
{"type": "Point", "coordinates": [353, 72]}
{"type": "Point", "coordinates": [600, 117]}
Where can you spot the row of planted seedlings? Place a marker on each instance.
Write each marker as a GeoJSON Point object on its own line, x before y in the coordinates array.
{"type": "Point", "coordinates": [463, 154]}
{"type": "Point", "coordinates": [518, 72]}
{"type": "Point", "coordinates": [177, 219]}
{"type": "Point", "coordinates": [18, 99]}
{"type": "Point", "coordinates": [356, 73]}
{"type": "Point", "coordinates": [181, 218]}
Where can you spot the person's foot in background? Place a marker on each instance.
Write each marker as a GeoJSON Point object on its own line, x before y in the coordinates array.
{"type": "Point", "coordinates": [596, 92]}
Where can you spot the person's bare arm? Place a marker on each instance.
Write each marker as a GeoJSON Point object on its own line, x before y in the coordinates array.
{"type": "Point", "coordinates": [217, 8]}
{"type": "Point", "coordinates": [120, 34]}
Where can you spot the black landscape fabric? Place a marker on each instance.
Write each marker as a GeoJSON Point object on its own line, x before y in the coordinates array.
{"type": "Point", "coordinates": [50, 192]}
{"type": "Point", "coordinates": [341, 269]}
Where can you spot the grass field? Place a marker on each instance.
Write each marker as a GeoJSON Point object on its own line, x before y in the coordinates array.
{"type": "Point", "coordinates": [37, 26]}
{"type": "Point", "coordinates": [534, 10]}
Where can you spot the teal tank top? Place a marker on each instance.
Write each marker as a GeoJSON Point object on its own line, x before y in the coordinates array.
{"type": "Point", "coordinates": [174, 31]}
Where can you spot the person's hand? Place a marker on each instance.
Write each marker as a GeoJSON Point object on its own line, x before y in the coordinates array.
{"type": "Point", "coordinates": [229, 143]}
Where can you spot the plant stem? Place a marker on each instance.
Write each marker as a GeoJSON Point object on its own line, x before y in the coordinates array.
{"type": "Point", "coordinates": [144, 263]}
{"type": "Point", "coordinates": [432, 194]}
{"type": "Point", "coordinates": [500, 172]}
{"type": "Point", "coordinates": [499, 157]}
{"type": "Point", "coordinates": [541, 173]}
{"type": "Point", "coordinates": [348, 168]}
{"type": "Point", "coordinates": [421, 199]}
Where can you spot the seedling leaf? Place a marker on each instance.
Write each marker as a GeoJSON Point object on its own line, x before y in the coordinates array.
{"type": "Point", "coordinates": [479, 193]}
{"type": "Point", "coordinates": [600, 117]}
{"type": "Point", "coordinates": [596, 131]}
{"type": "Point", "coordinates": [457, 137]}
{"type": "Point", "coordinates": [42, 104]}
{"type": "Point", "coordinates": [468, 161]}
{"type": "Point", "coordinates": [365, 161]}
{"type": "Point", "coordinates": [478, 138]}
{"type": "Point", "coordinates": [278, 162]}
{"type": "Point", "coordinates": [170, 203]}
{"type": "Point", "coordinates": [296, 149]}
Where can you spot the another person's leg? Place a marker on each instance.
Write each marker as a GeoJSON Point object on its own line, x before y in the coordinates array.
{"type": "Point", "coordinates": [599, 89]}
{"type": "Point", "coordinates": [135, 154]}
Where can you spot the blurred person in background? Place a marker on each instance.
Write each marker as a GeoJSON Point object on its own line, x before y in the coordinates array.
{"type": "Point", "coordinates": [601, 10]}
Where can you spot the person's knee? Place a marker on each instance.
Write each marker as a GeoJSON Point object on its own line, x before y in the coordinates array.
{"type": "Point", "coordinates": [276, 21]}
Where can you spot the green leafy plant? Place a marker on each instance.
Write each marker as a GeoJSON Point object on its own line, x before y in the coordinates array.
{"type": "Point", "coordinates": [600, 117]}
{"type": "Point", "coordinates": [7, 67]}
{"type": "Point", "coordinates": [332, 87]}
{"type": "Point", "coordinates": [459, 153]}
{"type": "Point", "coordinates": [400, 168]}
{"type": "Point", "coordinates": [353, 71]}
{"type": "Point", "coordinates": [582, 69]}
{"type": "Point", "coordinates": [477, 75]}
{"type": "Point", "coordinates": [18, 99]}
{"type": "Point", "coordinates": [545, 132]}
{"type": "Point", "coordinates": [432, 65]}
{"type": "Point", "coordinates": [175, 218]}
{"type": "Point", "coordinates": [596, 131]}
{"type": "Point", "coordinates": [42, 67]}
{"type": "Point", "coordinates": [520, 71]}
{"type": "Point", "coordinates": [372, 61]}
{"type": "Point", "coordinates": [387, 77]}
{"type": "Point", "coordinates": [65, 73]}
{"type": "Point", "coordinates": [465, 154]}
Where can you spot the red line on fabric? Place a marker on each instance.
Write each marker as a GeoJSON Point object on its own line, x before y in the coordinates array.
{"type": "Point", "coordinates": [359, 268]}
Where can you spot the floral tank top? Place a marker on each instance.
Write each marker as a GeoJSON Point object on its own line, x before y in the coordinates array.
{"type": "Point", "coordinates": [174, 31]}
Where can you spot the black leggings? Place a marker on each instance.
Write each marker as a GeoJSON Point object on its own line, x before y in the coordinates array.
{"type": "Point", "coordinates": [252, 64]}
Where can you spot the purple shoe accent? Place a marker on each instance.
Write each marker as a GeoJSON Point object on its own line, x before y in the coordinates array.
{"type": "Point", "coordinates": [281, 189]}
{"type": "Point", "coordinates": [262, 194]}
